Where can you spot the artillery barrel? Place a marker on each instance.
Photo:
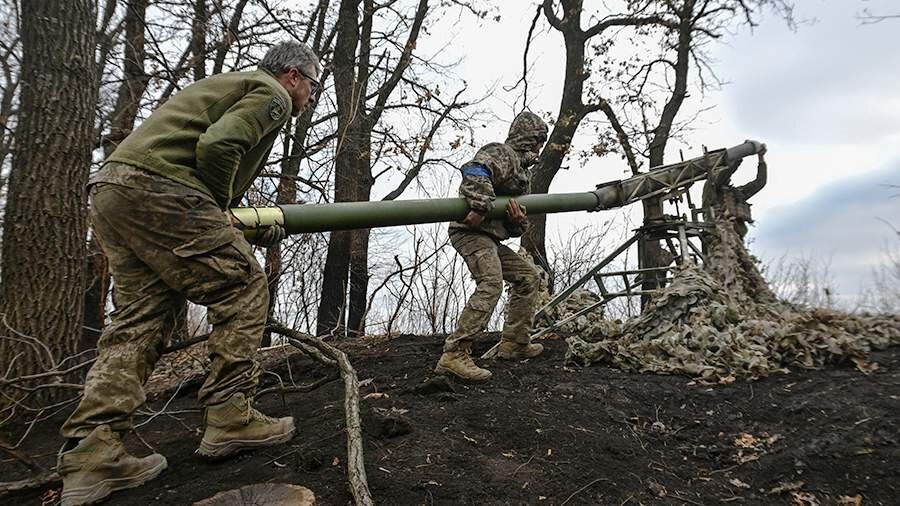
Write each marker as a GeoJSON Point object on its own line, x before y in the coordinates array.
{"type": "Point", "coordinates": [306, 218]}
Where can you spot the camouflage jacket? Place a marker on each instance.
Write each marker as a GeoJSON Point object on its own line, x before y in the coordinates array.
{"type": "Point", "coordinates": [727, 200]}
{"type": "Point", "coordinates": [502, 169]}
{"type": "Point", "coordinates": [213, 136]}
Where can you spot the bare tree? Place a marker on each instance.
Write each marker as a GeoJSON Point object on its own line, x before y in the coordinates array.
{"type": "Point", "coordinates": [347, 258]}
{"type": "Point", "coordinates": [650, 86]}
{"type": "Point", "coordinates": [574, 105]}
{"type": "Point", "coordinates": [295, 148]}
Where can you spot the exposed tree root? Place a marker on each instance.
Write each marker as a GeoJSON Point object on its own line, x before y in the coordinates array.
{"type": "Point", "coordinates": [329, 355]}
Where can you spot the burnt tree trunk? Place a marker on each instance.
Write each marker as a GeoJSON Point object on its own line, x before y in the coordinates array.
{"type": "Point", "coordinates": [45, 231]}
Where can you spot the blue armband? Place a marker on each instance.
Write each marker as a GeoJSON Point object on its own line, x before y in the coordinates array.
{"type": "Point", "coordinates": [476, 170]}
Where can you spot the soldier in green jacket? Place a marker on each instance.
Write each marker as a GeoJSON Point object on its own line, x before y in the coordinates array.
{"type": "Point", "coordinates": [159, 208]}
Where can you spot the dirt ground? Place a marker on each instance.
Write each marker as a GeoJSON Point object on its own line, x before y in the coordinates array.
{"type": "Point", "coordinates": [543, 433]}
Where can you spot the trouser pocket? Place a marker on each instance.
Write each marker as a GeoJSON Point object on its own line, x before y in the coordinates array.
{"type": "Point", "coordinates": [212, 263]}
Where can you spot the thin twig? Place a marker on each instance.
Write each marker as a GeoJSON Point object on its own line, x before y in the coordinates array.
{"type": "Point", "coordinates": [523, 465]}
{"type": "Point", "coordinates": [580, 490]}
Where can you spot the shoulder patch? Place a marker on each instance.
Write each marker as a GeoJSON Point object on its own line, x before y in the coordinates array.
{"type": "Point", "coordinates": [277, 108]}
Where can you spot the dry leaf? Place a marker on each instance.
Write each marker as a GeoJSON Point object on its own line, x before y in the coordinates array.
{"type": "Point", "coordinates": [335, 461]}
{"type": "Point", "coordinates": [657, 489]}
{"type": "Point", "coordinates": [846, 500]}
{"type": "Point", "coordinates": [745, 440]}
{"type": "Point", "coordinates": [738, 483]}
{"type": "Point", "coordinates": [377, 395]}
{"type": "Point", "coordinates": [863, 366]}
{"type": "Point", "coordinates": [727, 380]}
{"type": "Point", "coordinates": [786, 487]}
{"type": "Point", "coordinates": [743, 459]}
{"type": "Point", "coordinates": [800, 498]}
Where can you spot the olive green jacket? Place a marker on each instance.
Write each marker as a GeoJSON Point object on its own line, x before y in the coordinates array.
{"type": "Point", "coordinates": [213, 136]}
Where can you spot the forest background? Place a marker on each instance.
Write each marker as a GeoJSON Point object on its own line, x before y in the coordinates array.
{"type": "Point", "coordinates": [412, 88]}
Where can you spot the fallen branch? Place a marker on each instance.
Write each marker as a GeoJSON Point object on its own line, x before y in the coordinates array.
{"type": "Point", "coordinates": [42, 481]}
{"type": "Point", "coordinates": [297, 388]}
{"type": "Point", "coordinates": [329, 355]}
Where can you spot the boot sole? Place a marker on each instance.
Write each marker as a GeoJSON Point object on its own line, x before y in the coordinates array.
{"type": "Point", "coordinates": [443, 371]}
{"type": "Point", "coordinates": [231, 447]}
{"type": "Point", "coordinates": [102, 490]}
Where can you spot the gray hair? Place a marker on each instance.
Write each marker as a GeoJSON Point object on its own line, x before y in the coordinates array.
{"type": "Point", "coordinates": [286, 55]}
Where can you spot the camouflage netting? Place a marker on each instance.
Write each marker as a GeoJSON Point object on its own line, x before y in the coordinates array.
{"type": "Point", "coordinates": [722, 321]}
{"type": "Point", "coordinates": [591, 323]}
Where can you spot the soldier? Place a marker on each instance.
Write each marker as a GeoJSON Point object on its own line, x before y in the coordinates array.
{"type": "Point", "coordinates": [722, 200]}
{"type": "Point", "coordinates": [497, 169]}
{"type": "Point", "coordinates": [160, 211]}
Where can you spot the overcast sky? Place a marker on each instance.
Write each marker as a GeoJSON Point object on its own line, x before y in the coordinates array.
{"type": "Point", "coordinates": [825, 97]}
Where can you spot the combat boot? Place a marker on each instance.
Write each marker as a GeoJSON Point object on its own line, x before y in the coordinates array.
{"type": "Point", "coordinates": [510, 350]}
{"type": "Point", "coordinates": [234, 425]}
{"type": "Point", "coordinates": [99, 465]}
{"type": "Point", "coordinates": [460, 364]}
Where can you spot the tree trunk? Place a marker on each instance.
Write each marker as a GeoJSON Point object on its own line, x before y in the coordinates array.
{"type": "Point", "coordinates": [331, 313]}
{"type": "Point", "coordinates": [198, 40]}
{"type": "Point", "coordinates": [571, 112]}
{"type": "Point", "coordinates": [359, 283]}
{"type": "Point", "coordinates": [348, 251]}
{"type": "Point", "coordinates": [45, 231]}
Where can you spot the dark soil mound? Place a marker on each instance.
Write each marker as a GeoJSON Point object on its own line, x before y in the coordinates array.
{"type": "Point", "coordinates": [541, 433]}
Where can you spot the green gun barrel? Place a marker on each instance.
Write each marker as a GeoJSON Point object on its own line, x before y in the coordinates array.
{"type": "Point", "coordinates": [306, 218]}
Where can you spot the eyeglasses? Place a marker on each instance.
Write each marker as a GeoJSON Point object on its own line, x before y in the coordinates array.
{"type": "Point", "coordinates": [316, 85]}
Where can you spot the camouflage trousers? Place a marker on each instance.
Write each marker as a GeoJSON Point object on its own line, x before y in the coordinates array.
{"type": "Point", "coordinates": [164, 244]}
{"type": "Point", "coordinates": [491, 263]}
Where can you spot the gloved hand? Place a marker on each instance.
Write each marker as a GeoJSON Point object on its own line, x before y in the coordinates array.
{"type": "Point", "coordinates": [269, 236]}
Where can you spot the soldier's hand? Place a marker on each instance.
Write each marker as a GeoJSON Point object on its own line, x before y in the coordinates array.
{"type": "Point", "coordinates": [236, 223]}
{"type": "Point", "coordinates": [762, 152]}
{"type": "Point", "coordinates": [516, 212]}
{"type": "Point", "coordinates": [269, 236]}
{"type": "Point", "coordinates": [473, 219]}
